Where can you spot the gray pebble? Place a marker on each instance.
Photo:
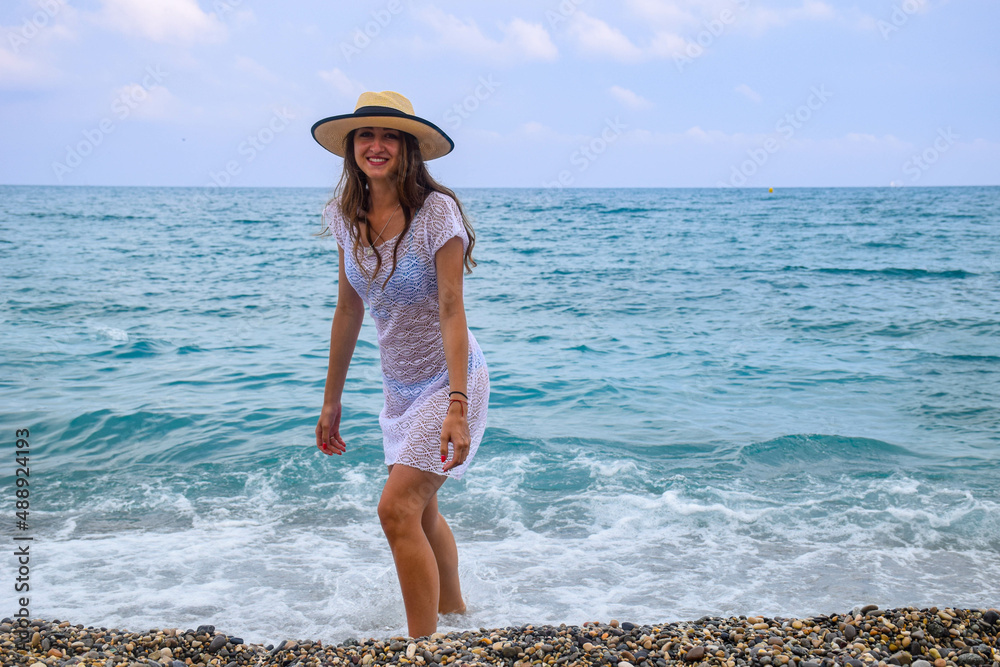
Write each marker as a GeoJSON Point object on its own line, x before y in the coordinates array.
{"type": "Point", "coordinates": [937, 630]}
{"type": "Point", "coordinates": [217, 643]}
{"type": "Point", "coordinates": [902, 657]}
{"type": "Point", "coordinates": [695, 654]}
{"type": "Point", "coordinates": [921, 663]}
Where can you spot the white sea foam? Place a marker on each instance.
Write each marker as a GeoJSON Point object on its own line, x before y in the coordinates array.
{"type": "Point", "coordinates": [111, 333]}
{"type": "Point", "coordinates": [269, 565]}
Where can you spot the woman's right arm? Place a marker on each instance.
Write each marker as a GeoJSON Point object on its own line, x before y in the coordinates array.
{"type": "Point", "coordinates": [347, 319]}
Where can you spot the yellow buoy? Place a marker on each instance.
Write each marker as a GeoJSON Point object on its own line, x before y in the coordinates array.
{"type": "Point", "coordinates": [770, 189]}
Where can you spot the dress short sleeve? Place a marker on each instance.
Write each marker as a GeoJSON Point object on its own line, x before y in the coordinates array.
{"type": "Point", "coordinates": [334, 222]}
{"type": "Point", "coordinates": [444, 222]}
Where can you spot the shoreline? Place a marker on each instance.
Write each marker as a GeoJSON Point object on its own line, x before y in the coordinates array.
{"type": "Point", "coordinates": [863, 637]}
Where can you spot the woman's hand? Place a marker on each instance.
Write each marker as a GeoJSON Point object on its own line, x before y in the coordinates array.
{"type": "Point", "coordinates": [456, 431]}
{"type": "Point", "coordinates": [328, 430]}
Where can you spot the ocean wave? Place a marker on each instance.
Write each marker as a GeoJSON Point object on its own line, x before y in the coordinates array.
{"type": "Point", "coordinates": [894, 272]}
{"type": "Point", "coordinates": [796, 449]}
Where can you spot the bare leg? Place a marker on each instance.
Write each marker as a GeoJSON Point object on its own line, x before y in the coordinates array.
{"type": "Point", "coordinates": [406, 495]}
{"type": "Point", "coordinates": [446, 553]}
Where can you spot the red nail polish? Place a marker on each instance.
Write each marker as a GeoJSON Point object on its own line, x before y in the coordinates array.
{"type": "Point", "coordinates": [443, 459]}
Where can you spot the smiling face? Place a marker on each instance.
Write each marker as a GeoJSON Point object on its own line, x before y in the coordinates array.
{"type": "Point", "coordinates": [376, 150]}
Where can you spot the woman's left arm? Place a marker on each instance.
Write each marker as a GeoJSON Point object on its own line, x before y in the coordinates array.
{"type": "Point", "coordinates": [449, 262]}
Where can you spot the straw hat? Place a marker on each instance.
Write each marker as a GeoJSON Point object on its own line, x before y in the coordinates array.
{"type": "Point", "coordinates": [385, 109]}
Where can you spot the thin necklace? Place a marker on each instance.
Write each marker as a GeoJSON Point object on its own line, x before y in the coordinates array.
{"type": "Point", "coordinates": [370, 250]}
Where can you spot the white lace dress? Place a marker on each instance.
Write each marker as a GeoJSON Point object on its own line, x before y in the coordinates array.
{"type": "Point", "coordinates": [414, 368]}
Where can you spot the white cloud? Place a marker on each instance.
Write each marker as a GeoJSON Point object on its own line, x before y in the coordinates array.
{"type": "Point", "coordinates": [697, 135]}
{"type": "Point", "coordinates": [688, 18]}
{"type": "Point", "coordinates": [667, 45]}
{"type": "Point", "coordinates": [168, 21]}
{"type": "Point", "coordinates": [153, 103]}
{"type": "Point", "coordinates": [29, 49]}
{"type": "Point", "coordinates": [597, 38]}
{"type": "Point", "coordinates": [629, 98]}
{"type": "Point", "coordinates": [850, 143]}
{"type": "Point", "coordinates": [759, 19]}
{"type": "Point", "coordinates": [531, 39]}
{"type": "Point", "coordinates": [891, 18]}
{"type": "Point", "coordinates": [748, 92]}
{"type": "Point", "coordinates": [17, 71]}
{"type": "Point", "coordinates": [235, 18]}
{"type": "Point", "coordinates": [666, 14]}
{"type": "Point", "coordinates": [342, 83]}
{"type": "Point", "coordinates": [521, 40]}
{"type": "Point", "coordinates": [699, 157]}
{"type": "Point", "coordinates": [673, 25]}
{"type": "Point", "coordinates": [533, 127]}
{"type": "Point", "coordinates": [538, 133]}
{"type": "Point", "coordinates": [251, 66]}
{"type": "Point", "coordinates": [865, 22]}
{"type": "Point", "coordinates": [42, 27]}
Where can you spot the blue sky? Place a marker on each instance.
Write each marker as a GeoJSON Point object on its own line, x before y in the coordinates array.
{"type": "Point", "coordinates": [577, 93]}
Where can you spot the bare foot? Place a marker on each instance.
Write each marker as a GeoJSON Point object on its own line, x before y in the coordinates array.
{"type": "Point", "coordinates": [460, 610]}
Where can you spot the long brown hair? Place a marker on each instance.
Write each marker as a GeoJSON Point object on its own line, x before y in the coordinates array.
{"type": "Point", "coordinates": [413, 185]}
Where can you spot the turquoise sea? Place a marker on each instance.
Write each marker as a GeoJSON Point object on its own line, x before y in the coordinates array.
{"type": "Point", "coordinates": [705, 401]}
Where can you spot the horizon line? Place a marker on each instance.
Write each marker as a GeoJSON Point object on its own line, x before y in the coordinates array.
{"type": "Point", "coordinates": [516, 187]}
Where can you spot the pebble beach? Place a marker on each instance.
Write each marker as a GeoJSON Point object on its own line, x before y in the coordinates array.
{"type": "Point", "coordinates": [863, 637]}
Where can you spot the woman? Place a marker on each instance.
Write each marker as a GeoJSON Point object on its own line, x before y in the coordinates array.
{"type": "Point", "coordinates": [403, 240]}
